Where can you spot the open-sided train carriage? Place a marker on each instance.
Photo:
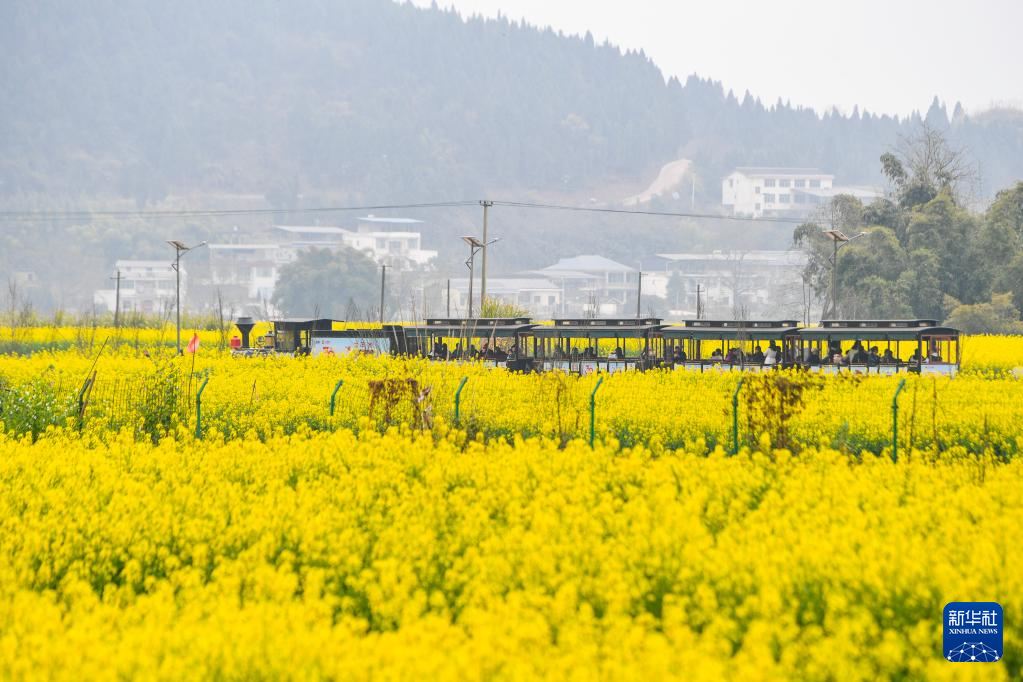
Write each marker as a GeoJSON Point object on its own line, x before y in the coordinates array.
{"type": "Point", "coordinates": [499, 342]}
{"type": "Point", "coordinates": [585, 346]}
{"type": "Point", "coordinates": [692, 343]}
{"type": "Point", "coordinates": [934, 349]}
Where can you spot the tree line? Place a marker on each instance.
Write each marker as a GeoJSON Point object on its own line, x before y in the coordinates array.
{"type": "Point", "coordinates": [921, 253]}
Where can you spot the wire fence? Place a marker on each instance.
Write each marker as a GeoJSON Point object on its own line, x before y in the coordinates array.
{"type": "Point", "coordinates": [670, 409]}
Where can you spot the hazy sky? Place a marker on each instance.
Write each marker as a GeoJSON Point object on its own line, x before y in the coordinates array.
{"type": "Point", "coordinates": [888, 56]}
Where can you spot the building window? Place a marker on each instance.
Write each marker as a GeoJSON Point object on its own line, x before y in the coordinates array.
{"type": "Point", "coordinates": [783, 198]}
{"type": "Point", "coordinates": [784, 183]}
{"type": "Point", "coordinates": [756, 190]}
{"type": "Point", "coordinates": [768, 198]}
{"type": "Point", "coordinates": [769, 182]}
{"type": "Point", "coordinates": [800, 183]}
{"type": "Point", "coordinates": [815, 184]}
{"type": "Point", "coordinates": [799, 198]}
{"type": "Point", "coordinates": [264, 272]}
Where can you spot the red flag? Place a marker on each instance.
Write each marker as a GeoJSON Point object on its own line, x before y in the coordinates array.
{"type": "Point", "coordinates": [193, 345]}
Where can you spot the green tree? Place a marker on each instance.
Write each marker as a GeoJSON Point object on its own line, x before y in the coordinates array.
{"type": "Point", "coordinates": [1010, 280]}
{"type": "Point", "coordinates": [999, 316]}
{"type": "Point", "coordinates": [341, 284]}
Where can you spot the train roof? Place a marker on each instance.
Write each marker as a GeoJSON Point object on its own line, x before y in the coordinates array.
{"type": "Point", "coordinates": [477, 328]}
{"type": "Point", "coordinates": [870, 330]}
{"type": "Point", "coordinates": [755, 330]}
{"type": "Point", "coordinates": [599, 328]}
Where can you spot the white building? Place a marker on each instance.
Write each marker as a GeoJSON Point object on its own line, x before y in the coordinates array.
{"type": "Point", "coordinates": [147, 286]}
{"type": "Point", "coordinates": [247, 273]}
{"type": "Point", "coordinates": [593, 285]}
{"type": "Point", "coordinates": [400, 249]}
{"type": "Point", "coordinates": [764, 283]}
{"type": "Point", "coordinates": [541, 297]}
{"type": "Point", "coordinates": [757, 192]}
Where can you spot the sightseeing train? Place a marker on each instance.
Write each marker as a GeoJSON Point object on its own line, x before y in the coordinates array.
{"type": "Point", "coordinates": [590, 345]}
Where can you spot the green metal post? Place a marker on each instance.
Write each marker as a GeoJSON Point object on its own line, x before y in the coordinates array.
{"type": "Point", "coordinates": [458, 400]}
{"type": "Point", "coordinates": [81, 400]}
{"type": "Point", "coordinates": [198, 408]}
{"type": "Point", "coordinates": [593, 411]}
{"type": "Point", "coordinates": [334, 395]}
{"type": "Point", "coordinates": [735, 417]}
{"type": "Point", "coordinates": [895, 421]}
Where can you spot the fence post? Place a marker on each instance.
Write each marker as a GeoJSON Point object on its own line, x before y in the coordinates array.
{"type": "Point", "coordinates": [593, 411]}
{"type": "Point", "coordinates": [895, 421]}
{"type": "Point", "coordinates": [198, 408]}
{"type": "Point", "coordinates": [81, 399]}
{"type": "Point", "coordinates": [334, 395]}
{"type": "Point", "coordinates": [735, 417]}
{"type": "Point", "coordinates": [458, 400]}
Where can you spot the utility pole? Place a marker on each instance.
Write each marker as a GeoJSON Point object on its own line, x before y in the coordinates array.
{"type": "Point", "coordinates": [838, 240]}
{"type": "Point", "coordinates": [383, 280]}
{"type": "Point", "coordinates": [471, 264]}
{"type": "Point", "coordinates": [486, 204]}
{"type": "Point", "coordinates": [699, 303]}
{"type": "Point", "coordinates": [179, 250]}
{"type": "Point", "coordinates": [117, 301]}
{"type": "Point", "coordinates": [639, 296]}
{"type": "Point", "coordinates": [834, 279]}
{"type": "Point", "coordinates": [449, 298]}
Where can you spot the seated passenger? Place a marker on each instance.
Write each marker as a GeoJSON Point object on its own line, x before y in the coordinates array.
{"type": "Point", "coordinates": [861, 355]}
{"type": "Point", "coordinates": [758, 356]}
{"type": "Point", "coordinates": [771, 356]}
{"type": "Point", "coordinates": [815, 356]}
{"type": "Point", "coordinates": [873, 358]}
{"type": "Point", "coordinates": [888, 358]}
{"type": "Point", "coordinates": [716, 355]}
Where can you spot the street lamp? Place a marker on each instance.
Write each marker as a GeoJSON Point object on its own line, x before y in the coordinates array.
{"type": "Point", "coordinates": [838, 240]}
{"type": "Point", "coordinates": [179, 250]}
{"type": "Point", "coordinates": [475, 245]}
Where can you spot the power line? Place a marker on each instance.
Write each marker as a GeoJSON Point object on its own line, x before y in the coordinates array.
{"type": "Point", "coordinates": [26, 216]}
{"type": "Point", "coordinates": [670, 214]}
{"type": "Point", "coordinates": [34, 216]}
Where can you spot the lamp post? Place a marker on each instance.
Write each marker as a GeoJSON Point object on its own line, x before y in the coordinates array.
{"type": "Point", "coordinates": [475, 245]}
{"type": "Point", "coordinates": [179, 250]}
{"type": "Point", "coordinates": [838, 240]}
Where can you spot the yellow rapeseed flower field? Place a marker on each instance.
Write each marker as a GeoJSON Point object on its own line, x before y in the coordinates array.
{"type": "Point", "coordinates": [404, 538]}
{"type": "Point", "coordinates": [427, 556]}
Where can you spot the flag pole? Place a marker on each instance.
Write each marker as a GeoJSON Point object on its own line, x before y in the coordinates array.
{"type": "Point", "coordinates": [191, 372]}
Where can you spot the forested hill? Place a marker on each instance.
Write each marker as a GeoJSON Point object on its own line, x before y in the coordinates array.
{"type": "Point", "coordinates": [373, 100]}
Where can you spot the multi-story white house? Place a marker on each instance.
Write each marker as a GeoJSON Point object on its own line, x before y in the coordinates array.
{"type": "Point", "coordinates": [147, 286]}
{"type": "Point", "coordinates": [593, 285]}
{"type": "Point", "coordinates": [247, 273]}
{"type": "Point", "coordinates": [757, 192]}
{"type": "Point", "coordinates": [541, 297]}
{"type": "Point", "coordinates": [400, 249]}
{"type": "Point", "coordinates": [763, 283]}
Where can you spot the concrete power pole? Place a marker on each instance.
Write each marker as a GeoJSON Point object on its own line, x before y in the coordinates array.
{"type": "Point", "coordinates": [639, 296]}
{"type": "Point", "coordinates": [483, 271]}
{"type": "Point", "coordinates": [383, 280]}
{"type": "Point", "coordinates": [117, 301]}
